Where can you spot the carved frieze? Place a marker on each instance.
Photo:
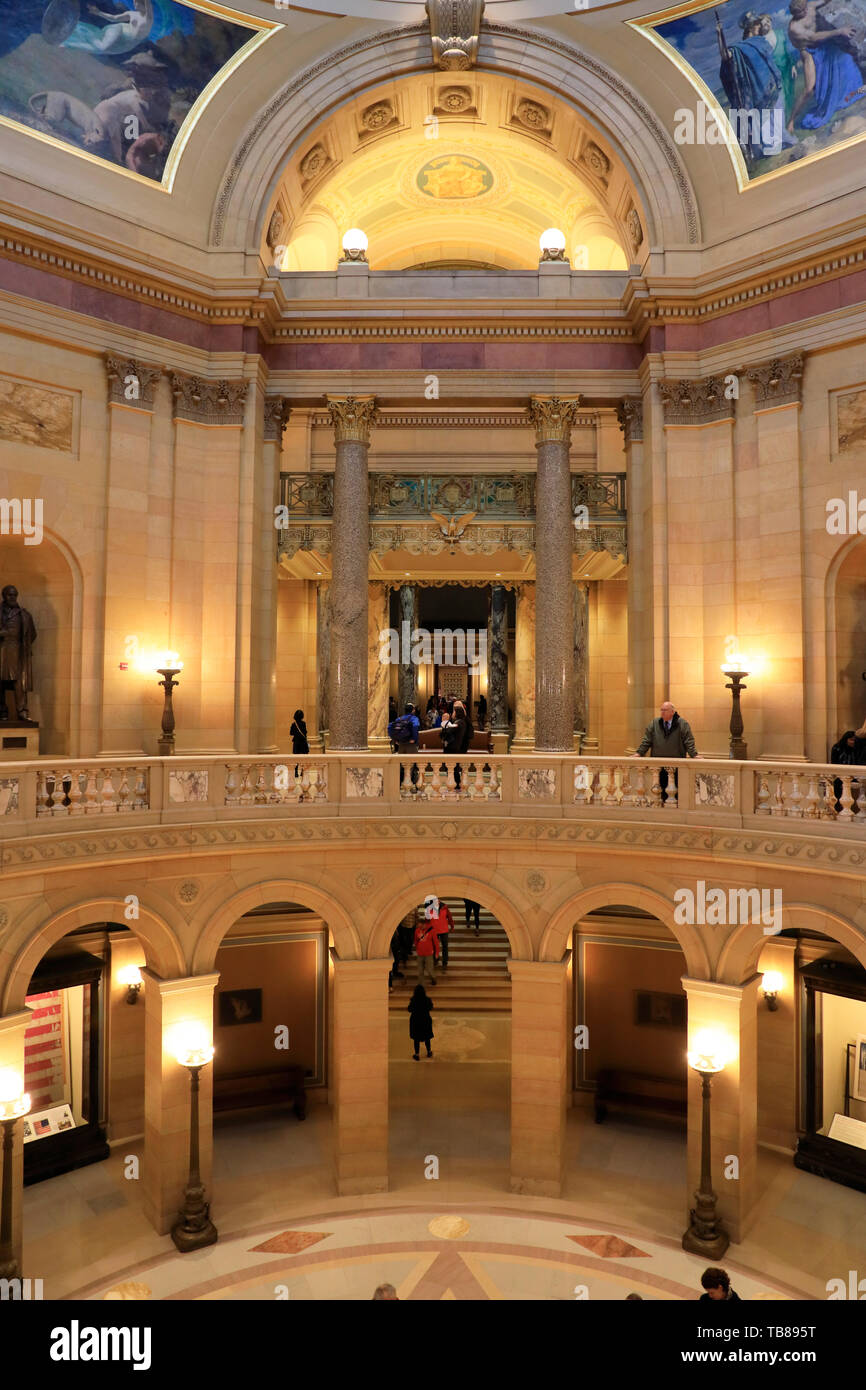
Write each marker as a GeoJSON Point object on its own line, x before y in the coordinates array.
{"type": "Point", "coordinates": [629, 413]}
{"type": "Point", "coordinates": [777, 382]}
{"type": "Point", "coordinates": [695, 402]}
{"type": "Point", "coordinates": [208, 402]}
{"type": "Point", "coordinates": [130, 381]}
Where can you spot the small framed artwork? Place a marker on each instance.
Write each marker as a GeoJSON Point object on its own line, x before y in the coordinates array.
{"type": "Point", "coordinates": [656, 1010]}
{"type": "Point", "coordinates": [27, 1131]}
{"type": "Point", "coordinates": [239, 1006]}
{"type": "Point", "coordinates": [65, 1119]}
{"type": "Point", "coordinates": [860, 1067]}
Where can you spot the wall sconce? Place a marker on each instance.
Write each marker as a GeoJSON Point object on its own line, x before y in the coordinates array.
{"type": "Point", "coordinates": [130, 976]}
{"type": "Point", "coordinates": [771, 984]}
{"type": "Point", "coordinates": [552, 245]}
{"type": "Point", "coordinates": [168, 666]}
{"type": "Point", "coordinates": [355, 245]}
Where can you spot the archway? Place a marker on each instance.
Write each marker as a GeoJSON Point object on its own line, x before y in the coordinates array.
{"type": "Point", "coordinates": [846, 635]}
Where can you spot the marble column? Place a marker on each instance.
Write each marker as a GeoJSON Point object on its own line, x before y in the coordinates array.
{"type": "Point", "coordinates": [323, 647]}
{"type": "Point", "coordinates": [360, 1070]}
{"type": "Point", "coordinates": [539, 1071]}
{"type": "Point", "coordinates": [352, 417]}
{"type": "Point", "coordinates": [497, 660]}
{"type": "Point", "coordinates": [379, 672]}
{"type": "Point", "coordinates": [552, 417]}
{"type": "Point", "coordinates": [581, 659]}
{"type": "Point", "coordinates": [407, 689]}
{"type": "Point", "coordinates": [524, 669]}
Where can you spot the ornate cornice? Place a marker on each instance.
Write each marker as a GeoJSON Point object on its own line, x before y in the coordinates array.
{"type": "Point", "coordinates": [277, 412]}
{"type": "Point", "coordinates": [352, 417]}
{"type": "Point", "coordinates": [629, 413]}
{"type": "Point", "coordinates": [553, 417]}
{"type": "Point", "coordinates": [131, 382]}
{"type": "Point", "coordinates": [329, 330]}
{"type": "Point", "coordinates": [778, 382]}
{"type": "Point", "coordinates": [208, 402]}
{"type": "Point", "coordinates": [695, 402]}
{"type": "Point", "coordinates": [451, 420]}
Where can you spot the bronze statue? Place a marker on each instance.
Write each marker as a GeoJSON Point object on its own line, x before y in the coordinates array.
{"type": "Point", "coordinates": [17, 635]}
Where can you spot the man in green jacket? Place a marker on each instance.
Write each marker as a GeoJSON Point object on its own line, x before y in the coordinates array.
{"type": "Point", "coordinates": [667, 737]}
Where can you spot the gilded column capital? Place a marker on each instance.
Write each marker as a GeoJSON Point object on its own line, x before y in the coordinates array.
{"type": "Point", "coordinates": [696, 402]}
{"type": "Point", "coordinates": [131, 382]}
{"type": "Point", "coordinates": [553, 417]}
{"type": "Point", "coordinates": [629, 413]}
{"type": "Point", "coordinates": [777, 382]}
{"type": "Point", "coordinates": [277, 412]}
{"type": "Point", "coordinates": [352, 417]}
{"type": "Point", "coordinates": [208, 402]}
{"type": "Point", "coordinates": [454, 29]}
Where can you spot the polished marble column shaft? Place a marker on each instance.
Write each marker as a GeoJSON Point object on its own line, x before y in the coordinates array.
{"type": "Point", "coordinates": [552, 417]}
{"type": "Point", "coordinates": [407, 689]}
{"type": "Point", "coordinates": [352, 417]}
{"type": "Point", "coordinates": [497, 660]}
{"type": "Point", "coordinates": [323, 647]}
{"type": "Point", "coordinates": [581, 658]}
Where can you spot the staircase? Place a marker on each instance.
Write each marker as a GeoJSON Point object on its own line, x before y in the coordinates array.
{"type": "Point", "coordinates": [477, 979]}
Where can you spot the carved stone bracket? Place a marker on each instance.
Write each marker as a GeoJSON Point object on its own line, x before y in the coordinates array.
{"type": "Point", "coordinates": [553, 417]}
{"type": "Point", "coordinates": [277, 412]}
{"type": "Point", "coordinates": [778, 382]}
{"type": "Point", "coordinates": [454, 28]}
{"type": "Point", "coordinates": [131, 382]}
{"type": "Point", "coordinates": [208, 402]}
{"type": "Point", "coordinates": [695, 402]}
{"type": "Point", "coordinates": [629, 413]}
{"type": "Point", "coordinates": [352, 417]}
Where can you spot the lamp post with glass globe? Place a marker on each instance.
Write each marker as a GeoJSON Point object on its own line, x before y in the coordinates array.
{"type": "Point", "coordinates": [735, 670]}
{"type": "Point", "coordinates": [355, 245]}
{"type": "Point", "coordinates": [705, 1235]}
{"type": "Point", "coordinates": [552, 245]}
{"type": "Point", "coordinates": [169, 665]}
{"type": "Point", "coordinates": [194, 1228]}
{"type": "Point", "coordinates": [14, 1102]}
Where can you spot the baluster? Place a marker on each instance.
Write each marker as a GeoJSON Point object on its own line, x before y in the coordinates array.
{"type": "Point", "coordinates": [603, 785]}
{"type": "Point", "coordinates": [581, 784]}
{"type": "Point", "coordinates": [246, 792]}
{"type": "Point", "coordinates": [640, 792]}
{"type": "Point", "coordinates": [91, 794]}
{"type": "Point", "coordinates": [231, 791]}
{"type": "Point", "coordinates": [656, 788]}
{"type": "Point", "coordinates": [671, 789]}
{"type": "Point", "coordinates": [305, 783]}
{"type": "Point", "coordinates": [108, 793]}
{"type": "Point", "coordinates": [123, 792]}
{"type": "Point", "coordinates": [811, 810]}
{"type": "Point", "coordinates": [778, 806]}
{"type": "Point", "coordinates": [626, 785]}
{"type": "Point", "coordinates": [762, 806]}
{"type": "Point", "coordinates": [451, 785]}
{"type": "Point", "coordinates": [142, 790]}
{"type": "Point", "coordinates": [260, 794]}
{"type": "Point", "coordinates": [496, 781]}
{"type": "Point", "coordinates": [795, 799]}
{"type": "Point", "coordinates": [827, 798]}
{"type": "Point", "coordinates": [857, 794]}
{"type": "Point", "coordinates": [436, 782]}
{"type": "Point", "coordinates": [43, 800]}
{"type": "Point", "coordinates": [618, 792]}
{"type": "Point", "coordinates": [478, 786]}
{"type": "Point", "coordinates": [846, 800]}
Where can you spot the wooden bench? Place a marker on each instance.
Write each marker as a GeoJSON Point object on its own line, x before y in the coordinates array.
{"type": "Point", "coordinates": [431, 739]}
{"type": "Point", "coordinates": [637, 1090]}
{"type": "Point", "coordinates": [242, 1090]}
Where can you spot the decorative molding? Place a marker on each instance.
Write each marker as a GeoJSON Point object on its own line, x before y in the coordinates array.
{"type": "Point", "coordinates": [532, 116]}
{"type": "Point", "coordinates": [454, 101]}
{"type": "Point", "coordinates": [275, 227]}
{"type": "Point", "coordinates": [128, 375]}
{"type": "Point", "coordinates": [314, 163]}
{"type": "Point", "coordinates": [187, 891]}
{"type": "Point", "coordinates": [379, 116]}
{"type": "Point", "coordinates": [629, 413]}
{"type": "Point", "coordinates": [452, 332]}
{"type": "Point", "coordinates": [452, 420]}
{"type": "Point", "coordinates": [778, 382]}
{"type": "Point", "coordinates": [633, 226]}
{"type": "Point", "coordinates": [553, 417]}
{"type": "Point", "coordinates": [421, 539]}
{"type": "Point", "coordinates": [352, 417]}
{"type": "Point", "coordinates": [596, 161]}
{"type": "Point", "coordinates": [208, 402]}
{"type": "Point", "coordinates": [454, 28]}
{"type": "Point", "coordinates": [277, 412]}
{"type": "Point", "coordinates": [695, 402]}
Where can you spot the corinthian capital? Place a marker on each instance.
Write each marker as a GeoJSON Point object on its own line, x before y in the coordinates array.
{"type": "Point", "coordinates": [553, 417]}
{"type": "Point", "coordinates": [696, 402]}
{"type": "Point", "coordinates": [629, 413]}
{"type": "Point", "coordinates": [777, 382]}
{"type": "Point", "coordinates": [352, 417]}
{"type": "Point", "coordinates": [277, 412]}
{"type": "Point", "coordinates": [130, 382]}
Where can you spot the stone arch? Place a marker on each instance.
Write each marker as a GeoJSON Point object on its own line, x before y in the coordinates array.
{"type": "Point", "coordinates": [848, 566]}
{"type": "Point", "coordinates": [163, 951]}
{"type": "Point", "coordinates": [739, 956]}
{"type": "Point", "coordinates": [347, 942]}
{"type": "Point", "coordinates": [389, 911]}
{"type": "Point", "coordinates": [668, 205]}
{"type": "Point", "coordinates": [557, 934]}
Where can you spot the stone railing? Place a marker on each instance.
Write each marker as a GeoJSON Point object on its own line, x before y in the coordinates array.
{"type": "Point", "coordinates": [38, 797]}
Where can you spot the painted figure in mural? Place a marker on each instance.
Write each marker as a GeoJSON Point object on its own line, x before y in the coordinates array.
{"type": "Point", "coordinates": [17, 635]}
{"type": "Point", "coordinates": [831, 77]}
{"type": "Point", "coordinates": [121, 32]}
{"type": "Point", "coordinates": [753, 86]}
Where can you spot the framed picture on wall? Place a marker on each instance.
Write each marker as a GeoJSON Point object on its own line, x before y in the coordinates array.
{"type": "Point", "coordinates": [655, 1010]}
{"type": "Point", "coordinates": [239, 1006]}
{"type": "Point", "coordinates": [860, 1067]}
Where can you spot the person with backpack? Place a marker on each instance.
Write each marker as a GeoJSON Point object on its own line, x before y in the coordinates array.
{"type": "Point", "coordinates": [404, 731]}
{"type": "Point", "coordinates": [438, 913]}
{"type": "Point", "coordinates": [425, 948]}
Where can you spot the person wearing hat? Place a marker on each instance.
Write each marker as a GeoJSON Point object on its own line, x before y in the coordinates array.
{"type": "Point", "coordinates": [425, 948]}
{"type": "Point", "coordinates": [439, 914]}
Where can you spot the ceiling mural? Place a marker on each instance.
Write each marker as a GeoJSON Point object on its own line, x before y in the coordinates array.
{"type": "Point", "coordinates": [454, 176]}
{"type": "Point", "coordinates": [777, 86]}
{"type": "Point", "coordinates": [121, 81]}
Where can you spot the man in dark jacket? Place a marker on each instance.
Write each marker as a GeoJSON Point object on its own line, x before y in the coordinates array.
{"type": "Point", "coordinates": [667, 737]}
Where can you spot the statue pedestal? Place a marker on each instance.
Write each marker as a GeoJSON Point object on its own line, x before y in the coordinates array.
{"type": "Point", "coordinates": [18, 741]}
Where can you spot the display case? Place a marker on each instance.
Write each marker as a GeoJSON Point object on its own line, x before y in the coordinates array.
{"type": "Point", "coordinates": [834, 1072]}
{"type": "Point", "coordinates": [63, 1067]}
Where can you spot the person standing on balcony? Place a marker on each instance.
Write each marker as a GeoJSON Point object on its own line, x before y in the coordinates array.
{"type": "Point", "coordinates": [298, 731]}
{"type": "Point", "coordinates": [669, 736]}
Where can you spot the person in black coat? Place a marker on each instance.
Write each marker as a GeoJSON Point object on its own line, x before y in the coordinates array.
{"type": "Point", "coordinates": [717, 1287]}
{"type": "Point", "coordinates": [298, 731]}
{"type": "Point", "coordinates": [420, 1022]}
{"type": "Point", "coordinates": [848, 751]}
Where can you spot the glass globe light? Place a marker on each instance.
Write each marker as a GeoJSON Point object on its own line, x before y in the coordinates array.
{"type": "Point", "coordinates": [552, 244]}
{"type": "Point", "coordinates": [355, 245]}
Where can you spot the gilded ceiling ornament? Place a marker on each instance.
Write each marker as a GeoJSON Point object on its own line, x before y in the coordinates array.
{"type": "Point", "coordinates": [553, 417]}
{"type": "Point", "coordinates": [454, 28]}
{"type": "Point", "coordinates": [352, 417]}
{"type": "Point", "coordinates": [454, 176]}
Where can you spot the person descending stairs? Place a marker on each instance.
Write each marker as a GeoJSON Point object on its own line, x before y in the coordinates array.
{"type": "Point", "coordinates": [477, 978]}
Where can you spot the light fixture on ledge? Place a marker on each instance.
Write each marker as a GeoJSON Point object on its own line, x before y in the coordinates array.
{"type": "Point", "coordinates": [194, 1229]}
{"type": "Point", "coordinates": [168, 665]}
{"type": "Point", "coordinates": [771, 985]}
{"type": "Point", "coordinates": [14, 1103]}
{"type": "Point", "coordinates": [130, 976]}
{"type": "Point", "coordinates": [355, 245]}
{"type": "Point", "coordinates": [705, 1235]}
{"type": "Point", "coordinates": [552, 245]}
{"type": "Point", "coordinates": [736, 670]}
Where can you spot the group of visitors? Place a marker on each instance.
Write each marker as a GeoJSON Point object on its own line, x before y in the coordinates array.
{"type": "Point", "coordinates": [450, 718]}
{"type": "Point", "coordinates": [426, 933]}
